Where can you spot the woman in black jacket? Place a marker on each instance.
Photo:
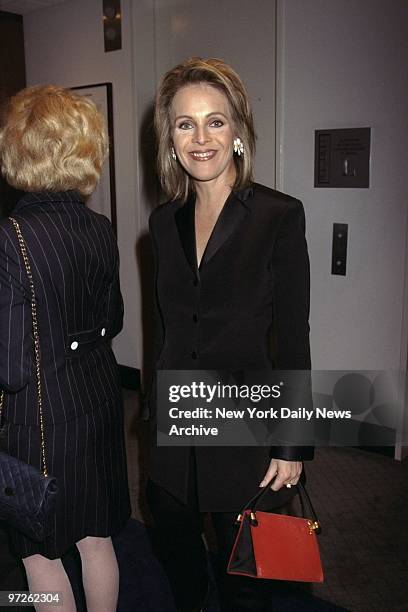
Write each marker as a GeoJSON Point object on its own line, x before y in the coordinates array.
{"type": "Point", "coordinates": [232, 279]}
{"type": "Point", "coordinates": [52, 146]}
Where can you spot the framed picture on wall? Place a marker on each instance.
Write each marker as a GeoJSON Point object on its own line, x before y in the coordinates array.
{"type": "Point", "coordinates": [103, 200]}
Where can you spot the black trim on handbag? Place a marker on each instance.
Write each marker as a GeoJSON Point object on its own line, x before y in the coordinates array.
{"type": "Point", "coordinates": [277, 546]}
{"type": "Point", "coordinates": [27, 494]}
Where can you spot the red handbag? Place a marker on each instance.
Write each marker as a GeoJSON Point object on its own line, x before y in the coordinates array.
{"type": "Point", "coordinates": [277, 546]}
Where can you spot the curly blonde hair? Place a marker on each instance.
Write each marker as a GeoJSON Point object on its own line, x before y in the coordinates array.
{"type": "Point", "coordinates": [217, 73]}
{"type": "Point", "coordinates": [52, 140]}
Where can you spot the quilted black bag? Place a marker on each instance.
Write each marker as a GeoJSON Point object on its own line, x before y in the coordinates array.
{"type": "Point", "coordinates": [27, 494]}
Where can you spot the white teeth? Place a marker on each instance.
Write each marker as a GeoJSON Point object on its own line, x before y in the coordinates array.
{"type": "Point", "coordinates": [202, 155]}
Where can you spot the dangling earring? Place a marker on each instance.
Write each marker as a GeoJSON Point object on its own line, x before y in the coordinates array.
{"type": "Point", "coordinates": [238, 146]}
{"type": "Point", "coordinates": [173, 153]}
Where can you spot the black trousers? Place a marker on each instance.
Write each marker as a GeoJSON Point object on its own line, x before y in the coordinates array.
{"type": "Point", "coordinates": [180, 548]}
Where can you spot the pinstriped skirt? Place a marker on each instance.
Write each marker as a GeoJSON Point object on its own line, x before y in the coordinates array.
{"type": "Point", "coordinates": [87, 456]}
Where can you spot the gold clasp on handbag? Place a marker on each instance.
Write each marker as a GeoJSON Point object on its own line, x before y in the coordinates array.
{"type": "Point", "coordinates": [238, 519]}
{"type": "Point", "coordinates": [313, 526]}
{"type": "Point", "coordinates": [253, 520]}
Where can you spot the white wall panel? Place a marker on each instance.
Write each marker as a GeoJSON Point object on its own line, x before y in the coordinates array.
{"type": "Point", "coordinates": [341, 66]}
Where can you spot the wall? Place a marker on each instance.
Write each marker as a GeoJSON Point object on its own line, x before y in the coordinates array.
{"type": "Point", "coordinates": [340, 66]}
{"type": "Point", "coordinates": [12, 79]}
{"type": "Point", "coordinates": [64, 45]}
{"type": "Point", "coordinates": [12, 61]}
{"type": "Point", "coordinates": [342, 69]}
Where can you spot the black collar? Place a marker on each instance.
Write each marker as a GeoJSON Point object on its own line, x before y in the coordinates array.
{"type": "Point", "coordinates": [47, 197]}
{"type": "Point", "coordinates": [234, 211]}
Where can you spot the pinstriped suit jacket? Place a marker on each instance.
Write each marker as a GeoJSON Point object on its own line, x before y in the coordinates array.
{"type": "Point", "coordinates": [74, 260]}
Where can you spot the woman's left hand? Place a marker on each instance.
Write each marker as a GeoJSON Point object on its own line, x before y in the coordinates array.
{"type": "Point", "coordinates": [286, 472]}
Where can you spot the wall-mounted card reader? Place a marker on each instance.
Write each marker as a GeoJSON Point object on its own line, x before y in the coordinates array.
{"type": "Point", "coordinates": [342, 158]}
{"type": "Point", "coordinates": [339, 251]}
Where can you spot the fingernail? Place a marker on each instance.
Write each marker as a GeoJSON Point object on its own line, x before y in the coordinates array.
{"type": "Point", "coordinates": [262, 484]}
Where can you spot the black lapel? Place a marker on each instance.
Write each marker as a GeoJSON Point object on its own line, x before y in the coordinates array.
{"type": "Point", "coordinates": [185, 222]}
{"type": "Point", "coordinates": [233, 213]}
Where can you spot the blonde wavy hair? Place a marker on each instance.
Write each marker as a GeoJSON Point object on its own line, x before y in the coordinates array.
{"type": "Point", "coordinates": [215, 72]}
{"type": "Point", "coordinates": [52, 140]}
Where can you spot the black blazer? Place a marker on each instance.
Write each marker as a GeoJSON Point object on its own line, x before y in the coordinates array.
{"type": "Point", "coordinates": [245, 307]}
{"type": "Point", "coordinates": [74, 260]}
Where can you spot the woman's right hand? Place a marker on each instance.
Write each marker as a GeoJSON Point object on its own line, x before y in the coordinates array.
{"type": "Point", "coordinates": [282, 473]}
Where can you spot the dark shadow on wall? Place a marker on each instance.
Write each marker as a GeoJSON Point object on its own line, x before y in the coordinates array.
{"type": "Point", "coordinates": [151, 195]}
{"type": "Point", "coordinates": [149, 191]}
{"type": "Point", "coordinates": [145, 262]}
{"type": "Point", "coordinates": [150, 185]}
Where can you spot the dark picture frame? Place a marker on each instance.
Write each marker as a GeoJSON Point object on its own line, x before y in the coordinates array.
{"type": "Point", "coordinates": [103, 200]}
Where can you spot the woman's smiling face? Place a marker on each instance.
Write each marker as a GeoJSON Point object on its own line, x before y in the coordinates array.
{"type": "Point", "coordinates": [203, 133]}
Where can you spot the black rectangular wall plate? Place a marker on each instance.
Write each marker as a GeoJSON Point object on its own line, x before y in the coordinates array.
{"type": "Point", "coordinates": [112, 25]}
{"type": "Point", "coordinates": [339, 250]}
{"type": "Point", "coordinates": [342, 158]}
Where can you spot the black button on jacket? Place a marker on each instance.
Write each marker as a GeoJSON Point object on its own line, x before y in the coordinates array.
{"type": "Point", "coordinates": [252, 294]}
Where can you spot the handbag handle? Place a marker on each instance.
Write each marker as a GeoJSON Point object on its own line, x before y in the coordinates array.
{"type": "Point", "coordinates": [36, 336]}
{"type": "Point", "coordinates": [252, 506]}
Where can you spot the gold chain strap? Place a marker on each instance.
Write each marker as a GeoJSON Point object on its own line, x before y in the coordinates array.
{"type": "Point", "coordinates": [36, 341]}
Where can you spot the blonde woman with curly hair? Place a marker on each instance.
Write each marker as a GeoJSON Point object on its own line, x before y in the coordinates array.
{"type": "Point", "coordinates": [52, 146]}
